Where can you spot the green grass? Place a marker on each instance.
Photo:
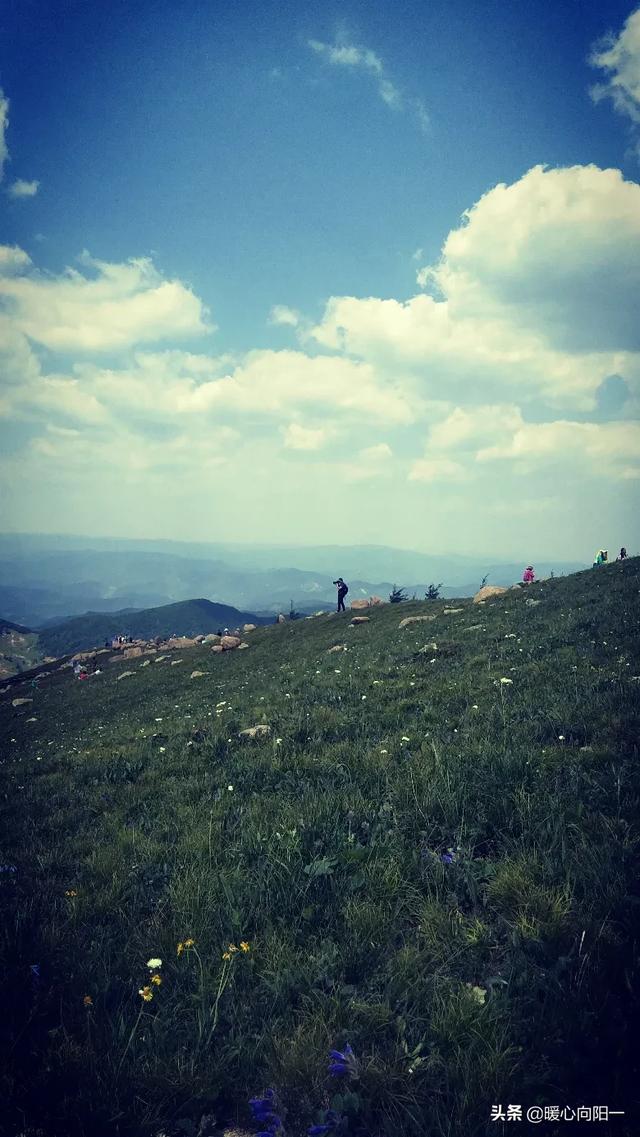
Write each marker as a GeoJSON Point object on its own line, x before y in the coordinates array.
{"type": "Point", "coordinates": [325, 857]}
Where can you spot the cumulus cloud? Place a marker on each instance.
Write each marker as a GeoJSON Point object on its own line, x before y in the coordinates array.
{"type": "Point", "coordinates": [611, 447]}
{"type": "Point", "coordinates": [118, 306]}
{"type": "Point", "coordinates": [4, 126]}
{"type": "Point", "coordinates": [618, 56]}
{"type": "Point", "coordinates": [365, 60]}
{"type": "Point", "coordinates": [20, 188]}
{"type": "Point", "coordinates": [438, 469]}
{"type": "Point", "coordinates": [536, 292]}
{"type": "Point", "coordinates": [298, 437]}
{"type": "Point", "coordinates": [281, 316]}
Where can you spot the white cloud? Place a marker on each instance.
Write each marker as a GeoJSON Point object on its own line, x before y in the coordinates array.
{"type": "Point", "coordinates": [121, 305]}
{"type": "Point", "coordinates": [536, 293]}
{"type": "Point", "coordinates": [297, 437]}
{"type": "Point", "coordinates": [437, 470]}
{"type": "Point", "coordinates": [13, 259]}
{"type": "Point", "coordinates": [281, 316]}
{"type": "Point", "coordinates": [606, 447]}
{"type": "Point", "coordinates": [4, 126]}
{"type": "Point", "coordinates": [366, 60]}
{"type": "Point", "coordinates": [20, 188]}
{"type": "Point", "coordinates": [619, 58]}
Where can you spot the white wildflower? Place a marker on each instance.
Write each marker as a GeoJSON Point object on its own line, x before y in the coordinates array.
{"type": "Point", "coordinates": [154, 964]}
{"type": "Point", "coordinates": [506, 682]}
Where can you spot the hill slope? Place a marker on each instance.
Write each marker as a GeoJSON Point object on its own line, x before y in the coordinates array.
{"type": "Point", "coordinates": [187, 618]}
{"type": "Point", "coordinates": [19, 648]}
{"type": "Point", "coordinates": [432, 855]}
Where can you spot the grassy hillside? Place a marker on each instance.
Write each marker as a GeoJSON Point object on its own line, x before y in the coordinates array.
{"type": "Point", "coordinates": [19, 648]}
{"type": "Point", "coordinates": [187, 618]}
{"type": "Point", "coordinates": [432, 857]}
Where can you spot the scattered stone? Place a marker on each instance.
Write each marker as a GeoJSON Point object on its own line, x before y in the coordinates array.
{"type": "Point", "coordinates": [197, 674]}
{"type": "Point", "coordinates": [33, 719]}
{"type": "Point", "coordinates": [160, 658]}
{"type": "Point", "coordinates": [147, 663]}
{"type": "Point", "coordinates": [249, 627]}
{"type": "Point", "coordinates": [375, 601]}
{"type": "Point", "coordinates": [20, 702]}
{"type": "Point", "coordinates": [211, 638]}
{"type": "Point", "coordinates": [175, 662]}
{"type": "Point", "coordinates": [338, 647]}
{"type": "Point", "coordinates": [259, 731]}
{"type": "Point", "coordinates": [359, 620]}
{"type": "Point", "coordinates": [217, 648]}
{"type": "Point", "coordinates": [123, 675]}
{"type": "Point", "coordinates": [241, 646]}
{"type": "Point", "coordinates": [531, 603]}
{"type": "Point", "coordinates": [132, 652]}
{"type": "Point", "coordinates": [80, 656]}
{"type": "Point", "coordinates": [229, 642]}
{"type": "Point", "coordinates": [359, 605]}
{"type": "Point", "coordinates": [488, 591]}
{"type": "Point", "coordinates": [414, 620]}
{"type": "Point", "coordinates": [474, 628]}
{"type": "Point", "coordinates": [452, 611]}
{"type": "Point", "coordinates": [282, 619]}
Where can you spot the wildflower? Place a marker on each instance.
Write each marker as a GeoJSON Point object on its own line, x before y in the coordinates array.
{"type": "Point", "coordinates": [405, 738]}
{"type": "Point", "coordinates": [244, 946]}
{"type": "Point", "coordinates": [232, 948]}
{"type": "Point", "coordinates": [384, 751]}
{"type": "Point", "coordinates": [479, 993]}
{"type": "Point", "coordinates": [448, 858]}
{"type": "Point", "coordinates": [184, 945]}
{"type": "Point", "coordinates": [163, 749]}
{"type": "Point", "coordinates": [507, 682]}
{"type": "Point", "coordinates": [474, 706]}
{"type": "Point", "coordinates": [561, 738]}
{"type": "Point", "coordinates": [337, 670]}
{"type": "Point", "coordinates": [156, 979]}
{"type": "Point", "coordinates": [71, 892]}
{"type": "Point", "coordinates": [264, 1112]}
{"type": "Point", "coordinates": [88, 1001]}
{"type": "Point", "coordinates": [278, 742]}
{"type": "Point", "coordinates": [343, 1063]}
{"type": "Point", "coordinates": [331, 1120]}
{"type": "Point", "coordinates": [230, 788]}
{"type": "Point", "coordinates": [226, 955]}
{"type": "Point", "coordinates": [154, 963]}
{"type": "Point", "coordinates": [146, 993]}
{"type": "Point", "coordinates": [363, 697]}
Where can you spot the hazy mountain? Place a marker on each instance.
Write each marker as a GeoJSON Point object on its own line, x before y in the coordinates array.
{"type": "Point", "coordinates": [48, 577]}
{"type": "Point", "coordinates": [187, 618]}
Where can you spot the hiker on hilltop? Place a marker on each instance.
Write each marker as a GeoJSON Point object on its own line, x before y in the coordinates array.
{"type": "Point", "coordinates": [528, 575]}
{"type": "Point", "coordinates": [622, 556]}
{"type": "Point", "coordinates": [342, 592]}
{"type": "Point", "coordinates": [601, 557]}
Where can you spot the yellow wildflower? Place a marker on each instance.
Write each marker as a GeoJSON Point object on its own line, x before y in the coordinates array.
{"type": "Point", "coordinates": [232, 948]}
{"type": "Point", "coordinates": [244, 945]}
{"type": "Point", "coordinates": [71, 892]}
{"type": "Point", "coordinates": [180, 948]}
{"type": "Point", "coordinates": [157, 979]}
{"type": "Point", "coordinates": [226, 955]}
{"type": "Point", "coordinates": [189, 943]}
{"type": "Point", "coordinates": [146, 993]}
{"type": "Point", "coordinates": [88, 1001]}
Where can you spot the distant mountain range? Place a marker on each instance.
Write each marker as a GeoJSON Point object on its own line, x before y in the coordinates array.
{"type": "Point", "coordinates": [48, 578]}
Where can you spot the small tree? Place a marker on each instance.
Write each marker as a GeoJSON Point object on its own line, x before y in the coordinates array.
{"type": "Point", "coordinates": [397, 595]}
{"type": "Point", "coordinates": [484, 580]}
{"type": "Point", "coordinates": [293, 615]}
{"type": "Point", "coordinates": [433, 592]}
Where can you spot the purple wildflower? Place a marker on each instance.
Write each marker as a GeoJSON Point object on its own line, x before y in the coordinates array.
{"type": "Point", "coordinates": [343, 1064]}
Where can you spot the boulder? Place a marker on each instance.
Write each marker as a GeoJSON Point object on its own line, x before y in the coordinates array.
{"type": "Point", "coordinates": [147, 663]}
{"type": "Point", "coordinates": [359, 605]}
{"type": "Point", "coordinates": [211, 638]}
{"type": "Point", "coordinates": [123, 675]}
{"type": "Point", "coordinates": [218, 648]}
{"type": "Point", "coordinates": [259, 731]}
{"type": "Point", "coordinates": [132, 652]}
{"type": "Point", "coordinates": [474, 628]}
{"type": "Point", "coordinates": [452, 611]}
{"type": "Point", "coordinates": [181, 641]}
{"type": "Point", "coordinates": [338, 647]}
{"type": "Point", "coordinates": [20, 702]}
{"type": "Point", "coordinates": [229, 642]}
{"type": "Point", "coordinates": [242, 646]}
{"type": "Point", "coordinates": [488, 591]}
{"type": "Point", "coordinates": [196, 674]}
{"type": "Point", "coordinates": [414, 620]}
{"type": "Point", "coordinates": [160, 658]}
{"type": "Point", "coordinates": [175, 662]}
{"type": "Point", "coordinates": [80, 656]}
{"type": "Point", "coordinates": [359, 620]}
{"type": "Point", "coordinates": [375, 601]}
{"type": "Point", "coordinates": [249, 628]}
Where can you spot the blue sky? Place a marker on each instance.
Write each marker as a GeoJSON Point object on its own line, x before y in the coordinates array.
{"type": "Point", "coordinates": [245, 186]}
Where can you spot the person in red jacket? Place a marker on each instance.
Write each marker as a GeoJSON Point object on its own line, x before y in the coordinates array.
{"type": "Point", "coordinates": [528, 575]}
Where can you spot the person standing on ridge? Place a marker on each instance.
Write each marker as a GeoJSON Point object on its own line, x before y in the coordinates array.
{"type": "Point", "coordinates": [528, 575]}
{"type": "Point", "coordinates": [622, 556]}
{"type": "Point", "coordinates": [342, 592]}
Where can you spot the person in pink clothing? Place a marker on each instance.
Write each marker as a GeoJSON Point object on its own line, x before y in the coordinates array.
{"type": "Point", "coordinates": [528, 575]}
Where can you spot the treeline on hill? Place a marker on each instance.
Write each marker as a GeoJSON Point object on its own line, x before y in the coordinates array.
{"type": "Point", "coordinates": [186, 618]}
